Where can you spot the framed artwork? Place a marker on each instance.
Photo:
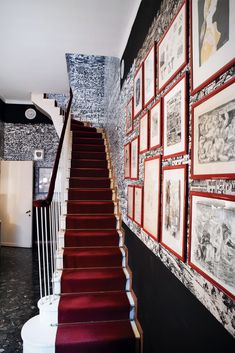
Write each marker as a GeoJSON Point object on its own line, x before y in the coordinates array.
{"type": "Point", "coordinates": [135, 158]}
{"type": "Point", "coordinates": [212, 239]}
{"type": "Point", "coordinates": [149, 73]}
{"type": "Point", "coordinates": [174, 119]}
{"type": "Point", "coordinates": [212, 40]}
{"type": "Point", "coordinates": [38, 155]}
{"type": "Point", "coordinates": [44, 178]}
{"type": "Point", "coordinates": [174, 210]}
{"type": "Point", "coordinates": [213, 134]}
{"type": "Point", "coordinates": [129, 116]}
{"type": "Point", "coordinates": [138, 205]}
{"type": "Point", "coordinates": [172, 49]}
{"type": "Point", "coordinates": [152, 167]}
{"type": "Point", "coordinates": [144, 133]}
{"type": "Point", "coordinates": [127, 160]}
{"type": "Point", "coordinates": [138, 91]}
{"type": "Point", "coordinates": [155, 125]}
{"type": "Point", "coordinates": [130, 202]}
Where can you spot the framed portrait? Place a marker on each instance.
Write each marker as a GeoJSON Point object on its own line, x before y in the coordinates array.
{"type": "Point", "coordinates": [144, 133]}
{"type": "Point", "coordinates": [212, 40]}
{"type": "Point", "coordinates": [127, 160]}
{"type": "Point", "coordinates": [149, 67]}
{"type": "Point", "coordinates": [174, 210]}
{"type": "Point", "coordinates": [152, 167]}
{"type": "Point", "coordinates": [174, 119]}
{"type": "Point", "coordinates": [44, 178]}
{"type": "Point", "coordinates": [38, 155]}
{"type": "Point", "coordinates": [130, 202]}
{"type": "Point", "coordinates": [212, 239]}
{"type": "Point", "coordinates": [172, 49]}
{"type": "Point", "coordinates": [135, 158]}
{"type": "Point", "coordinates": [129, 116]}
{"type": "Point", "coordinates": [213, 134]}
{"type": "Point", "coordinates": [155, 114]}
{"type": "Point", "coordinates": [138, 91]}
{"type": "Point", "coordinates": [138, 205]}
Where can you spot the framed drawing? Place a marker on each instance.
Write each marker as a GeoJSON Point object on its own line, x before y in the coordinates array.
{"type": "Point", "coordinates": [130, 202]}
{"type": "Point", "coordinates": [212, 40]}
{"type": "Point", "coordinates": [144, 133]}
{"type": "Point", "coordinates": [135, 158]}
{"type": "Point", "coordinates": [38, 155]}
{"type": "Point", "coordinates": [172, 49]}
{"type": "Point", "coordinates": [213, 134]}
{"type": "Point", "coordinates": [138, 205]}
{"type": "Point", "coordinates": [138, 91]}
{"type": "Point", "coordinates": [155, 125]}
{"type": "Point", "coordinates": [129, 116]}
{"type": "Point", "coordinates": [44, 178]}
{"type": "Point", "coordinates": [127, 160]}
{"type": "Point", "coordinates": [152, 167]}
{"type": "Point", "coordinates": [174, 210]}
{"type": "Point", "coordinates": [174, 119]}
{"type": "Point", "coordinates": [212, 239]}
{"type": "Point", "coordinates": [149, 73]}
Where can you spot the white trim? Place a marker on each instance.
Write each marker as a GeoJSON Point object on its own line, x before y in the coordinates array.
{"type": "Point", "coordinates": [135, 329]}
{"type": "Point", "coordinates": [15, 101]}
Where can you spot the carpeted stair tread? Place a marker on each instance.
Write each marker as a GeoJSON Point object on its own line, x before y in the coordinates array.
{"type": "Point", "coordinates": [89, 134]}
{"type": "Point", "coordinates": [89, 155]}
{"type": "Point", "coordinates": [87, 141]}
{"type": "Point", "coordinates": [89, 182]}
{"type": "Point", "coordinates": [75, 127]}
{"type": "Point", "coordinates": [90, 194]}
{"type": "Point", "coordinates": [85, 147]}
{"type": "Point", "coordinates": [91, 222]}
{"type": "Point", "coordinates": [76, 122]}
{"type": "Point", "coordinates": [89, 163]}
{"type": "Point", "coordinates": [91, 238]}
{"type": "Point", "coordinates": [89, 207]}
{"type": "Point", "coordinates": [89, 172]}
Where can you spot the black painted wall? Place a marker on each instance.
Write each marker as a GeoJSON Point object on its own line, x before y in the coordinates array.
{"type": "Point", "coordinates": [15, 113]}
{"type": "Point", "coordinates": [2, 104]}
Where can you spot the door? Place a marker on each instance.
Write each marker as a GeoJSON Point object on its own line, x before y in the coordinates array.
{"type": "Point", "coordinates": [16, 195]}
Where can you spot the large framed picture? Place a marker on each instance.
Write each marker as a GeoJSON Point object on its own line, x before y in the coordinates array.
{"type": "Point", "coordinates": [138, 205]}
{"type": "Point", "coordinates": [44, 178]}
{"type": "Point", "coordinates": [212, 40]}
{"type": "Point", "coordinates": [130, 202]}
{"type": "Point", "coordinates": [135, 158]}
{"type": "Point", "coordinates": [127, 160]}
{"type": "Point", "coordinates": [172, 49]}
{"type": "Point", "coordinates": [144, 133]}
{"type": "Point", "coordinates": [174, 119]}
{"type": "Point", "coordinates": [152, 168]}
{"type": "Point", "coordinates": [174, 210]}
{"type": "Point", "coordinates": [212, 239]}
{"type": "Point", "coordinates": [155, 114]}
{"type": "Point", "coordinates": [138, 91]}
{"type": "Point", "coordinates": [149, 67]}
{"type": "Point", "coordinates": [213, 134]}
{"type": "Point", "coordinates": [129, 116]}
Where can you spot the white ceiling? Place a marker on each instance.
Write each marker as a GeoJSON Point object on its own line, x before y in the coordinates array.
{"type": "Point", "coordinates": [36, 34]}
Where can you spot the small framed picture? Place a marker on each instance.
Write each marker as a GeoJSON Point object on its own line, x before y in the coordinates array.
{"type": "Point", "coordinates": [212, 239]}
{"type": "Point", "coordinates": [172, 49]}
{"type": "Point", "coordinates": [44, 178]}
{"type": "Point", "coordinates": [127, 160]}
{"type": "Point", "coordinates": [213, 134]}
{"type": "Point", "coordinates": [135, 158]}
{"type": "Point", "coordinates": [138, 205]}
{"type": "Point", "coordinates": [144, 133]}
{"type": "Point", "coordinates": [38, 155]}
{"type": "Point", "coordinates": [212, 40]}
{"type": "Point", "coordinates": [174, 210]}
{"type": "Point", "coordinates": [130, 202]}
{"type": "Point", "coordinates": [138, 91]}
{"type": "Point", "coordinates": [155, 113]}
{"type": "Point", "coordinates": [174, 120]}
{"type": "Point", "coordinates": [149, 67]}
{"type": "Point", "coordinates": [129, 116]}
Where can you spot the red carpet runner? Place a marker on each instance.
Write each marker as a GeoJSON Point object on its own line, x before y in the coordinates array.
{"type": "Point", "coordinates": [94, 310]}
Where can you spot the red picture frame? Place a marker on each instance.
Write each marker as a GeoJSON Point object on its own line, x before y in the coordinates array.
{"type": "Point", "coordinates": [127, 160]}
{"type": "Point", "coordinates": [138, 91]}
{"type": "Point", "coordinates": [138, 208]}
{"type": "Point", "coordinates": [144, 133]}
{"type": "Point", "coordinates": [130, 201]}
{"type": "Point", "coordinates": [149, 76]}
{"type": "Point", "coordinates": [129, 116]}
{"type": "Point", "coordinates": [135, 158]}
{"type": "Point", "coordinates": [155, 125]}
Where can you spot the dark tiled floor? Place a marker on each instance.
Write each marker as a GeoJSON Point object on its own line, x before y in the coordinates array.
{"type": "Point", "coordinates": [19, 293]}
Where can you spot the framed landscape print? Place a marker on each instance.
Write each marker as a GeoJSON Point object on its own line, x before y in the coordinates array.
{"type": "Point", "coordinates": [138, 205]}
{"type": "Point", "coordinates": [135, 158]}
{"type": "Point", "coordinates": [212, 40]}
{"type": "Point", "coordinates": [127, 160]}
{"type": "Point", "coordinates": [149, 68]}
{"type": "Point", "coordinates": [174, 119]}
{"type": "Point", "coordinates": [213, 134]}
{"type": "Point", "coordinates": [212, 239]}
{"type": "Point", "coordinates": [129, 116]}
{"type": "Point", "coordinates": [155, 125]}
{"type": "Point", "coordinates": [144, 133]}
{"type": "Point", "coordinates": [138, 91]}
{"type": "Point", "coordinates": [172, 49]}
{"type": "Point", "coordinates": [174, 210]}
{"type": "Point", "coordinates": [152, 167]}
{"type": "Point", "coordinates": [130, 201]}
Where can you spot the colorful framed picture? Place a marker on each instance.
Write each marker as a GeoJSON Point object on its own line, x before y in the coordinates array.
{"type": "Point", "coordinates": [174, 119]}
{"type": "Point", "coordinates": [172, 49]}
{"type": "Point", "coordinates": [174, 210]}
{"type": "Point", "coordinates": [155, 114]}
{"type": "Point", "coordinates": [212, 40]}
{"type": "Point", "coordinates": [130, 202]}
{"type": "Point", "coordinates": [144, 133]}
{"type": "Point", "coordinates": [149, 67]}
{"type": "Point", "coordinates": [127, 160]}
{"type": "Point", "coordinates": [138, 91]}
{"type": "Point", "coordinates": [129, 116]}
{"type": "Point", "coordinates": [152, 175]}
{"type": "Point", "coordinates": [135, 158]}
{"type": "Point", "coordinates": [213, 134]}
{"type": "Point", "coordinates": [44, 178]}
{"type": "Point", "coordinates": [138, 205]}
{"type": "Point", "coordinates": [212, 239]}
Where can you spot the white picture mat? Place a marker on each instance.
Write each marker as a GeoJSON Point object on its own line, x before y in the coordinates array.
{"type": "Point", "coordinates": [144, 133]}
{"type": "Point", "coordinates": [130, 199]}
{"type": "Point", "coordinates": [127, 161]}
{"type": "Point", "coordinates": [149, 76]}
{"type": "Point", "coordinates": [129, 117]}
{"type": "Point", "coordinates": [138, 205]}
{"type": "Point", "coordinates": [134, 158]}
{"type": "Point", "coordinates": [155, 125]}
{"type": "Point", "coordinates": [138, 103]}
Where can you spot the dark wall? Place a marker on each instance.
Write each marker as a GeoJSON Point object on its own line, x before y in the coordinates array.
{"type": "Point", "coordinates": [15, 113]}
{"type": "Point", "coordinates": [2, 104]}
{"type": "Point", "coordinates": [172, 319]}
